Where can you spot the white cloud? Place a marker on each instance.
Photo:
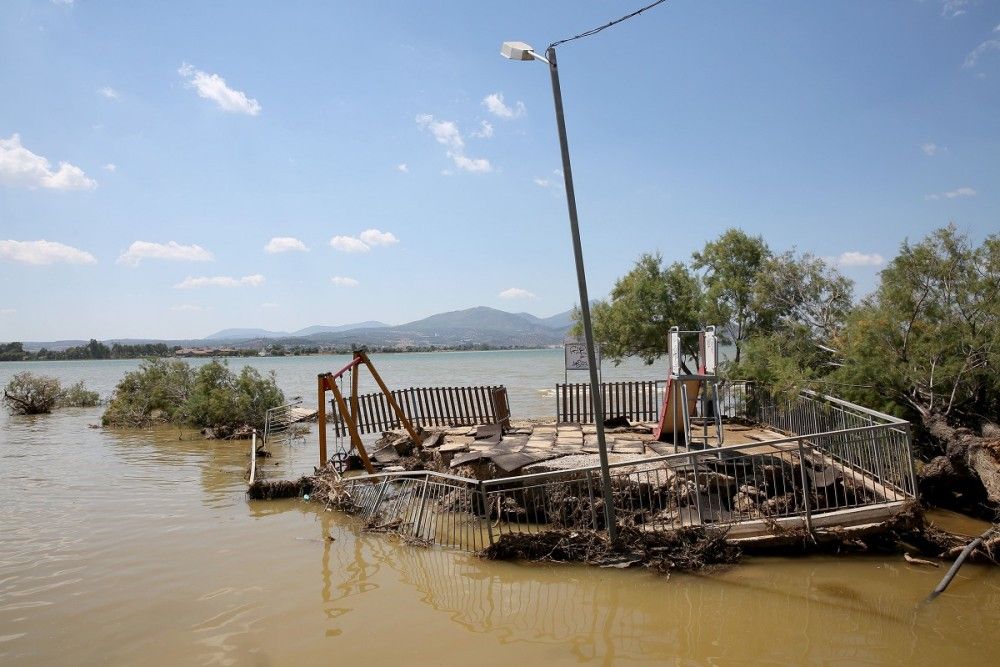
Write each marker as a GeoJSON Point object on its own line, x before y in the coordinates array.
{"type": "Point", "coordinates": [479, 164]}
{"type": "Point", "coordinates": [855, 258]}
{"type": "Point", "coordinates": [349, 244]}
{"type": "Point", "coordinates": [444, 131]}
{"type": "Point", "coordinates": [43, 252]}
{"type": "Point", "coordinates": [109, 93]}
{"type": "Point", "coordinates": [140, 250]}
{"type": "Point", "coordinates": [64, 3]}
{"type": "Point", "coordinates": [495, 105]}
{"type": "Point", "coordinates": [953, 8]}
{"type": "Point", "coordinates": [269, 304]}
{"type": "Point", "coordinates": [342, 281]}
{"type": "Point", "coordinates": [403, 168]}
{"type": "Point", "coordinates": [485, 130]}
{"type": "Point", "coordinates": [20, 167]}
{"type": "Point", "coordinates": [516, 293]}
{"type": "Point", "coordinates": [543, 182]}
{"type": "Point", "coordinates": [111, 166]}
{"type": "Point", "coordinates": [213, 87]}
{"type": "Point", "coordinates": [188, 308]}
{"type": "Point", "coordinates": [373, 237]}
{"type": "Point", "coordinates": [255, 280]}
{"type": "Point", "coordinates": [929, 148]}
{"type": "Point", "coordinates": [8, 311]}
{"type": "Point", "coordinates": [284, 244]}
{"type": "Point", "coordinates": [989, 45]}
{"type": "Point", "coordinates": [952, 194]}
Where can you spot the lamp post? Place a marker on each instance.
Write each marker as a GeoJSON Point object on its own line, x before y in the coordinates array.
{"type": "Point", "coordinates": [522, 51]}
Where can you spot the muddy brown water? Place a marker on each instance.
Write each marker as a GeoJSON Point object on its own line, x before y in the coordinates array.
{"type": "Point", "coordinates": [140, 548]}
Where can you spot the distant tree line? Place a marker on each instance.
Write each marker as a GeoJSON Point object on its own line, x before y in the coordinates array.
{"type": "Point", "coordinates": [93, 350]}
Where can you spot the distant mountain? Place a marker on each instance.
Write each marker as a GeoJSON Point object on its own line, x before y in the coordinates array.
{"type": "Point", "coordinates": [316, 329]}
{"type": "Point", "coordinates": [256, 334]}
{"type": "Point", "coordinates": [472, 326]}
{"type": "Point", "coordinates": [246, 334]}
{"type": "Point", "coordinates": [480, 317]}
{"type": "Point", "coordinates": [558, 321]}
{"type": "Point", "coordinates": [480, 326]}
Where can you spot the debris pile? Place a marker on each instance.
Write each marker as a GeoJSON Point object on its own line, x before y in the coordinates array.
{"type": "Point", "coordinates": [677, 550]}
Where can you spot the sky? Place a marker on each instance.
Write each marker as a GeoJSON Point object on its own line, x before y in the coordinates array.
{"type": "Point", "coordinates": [171, 169]}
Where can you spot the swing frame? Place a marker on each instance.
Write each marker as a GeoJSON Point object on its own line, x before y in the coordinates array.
{"type": "Point", "coordinates": [328, 382]}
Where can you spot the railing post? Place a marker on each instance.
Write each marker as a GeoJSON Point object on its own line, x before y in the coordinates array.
{"type": "Point", "coordinates": [253, 456]}
{"type": "Point", "coordinates": [805, 487]}
{"type": "Point", "coordinates": [486, 510]}
{"type": "Point", "coordinates": [420, 512]}
{"type": "Point", "coordinates": [378, 498]}
{"type": "Point", "coordinates": [907, 433]}
{"type": "Point", "coordinates": [697, 486]}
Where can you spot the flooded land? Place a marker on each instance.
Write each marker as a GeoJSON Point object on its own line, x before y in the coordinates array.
{"type": "Point", "coordinates": [140, 547]}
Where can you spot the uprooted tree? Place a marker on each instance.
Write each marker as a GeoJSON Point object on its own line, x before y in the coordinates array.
{"type": "Point", "coordinates": [928, 344]}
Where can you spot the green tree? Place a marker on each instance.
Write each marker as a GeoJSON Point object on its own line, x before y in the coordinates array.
{"type": "Point", "coordinates": [12, 352]}
{"type": "Point", "coordinates": [642, 307]}
{"type": "Point", "coordinates": [808, 303]}
{"type": "Point", "coordinates": [730, 268]}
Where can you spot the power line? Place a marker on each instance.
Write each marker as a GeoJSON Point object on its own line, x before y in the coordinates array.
{"type": "Point", "coordinates": [594, 31]}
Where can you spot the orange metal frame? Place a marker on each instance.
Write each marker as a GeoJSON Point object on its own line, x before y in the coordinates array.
{"type": "Point", "coordinates": [328, 382]}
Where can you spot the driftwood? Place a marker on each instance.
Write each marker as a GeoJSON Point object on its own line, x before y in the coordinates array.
{"type": "Point", "coordinates": [953, 570]}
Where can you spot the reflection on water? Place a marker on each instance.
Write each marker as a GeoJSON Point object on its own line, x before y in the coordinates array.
{"type": "Point", "coordinates": [130, 548]}
{"type": "Point", "coordinates": [815, 610]}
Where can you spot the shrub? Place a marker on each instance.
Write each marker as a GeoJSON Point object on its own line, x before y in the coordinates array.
{"type": "Point", "coordinates": [155, 393]}
{"type": "Point", "coordinates": [28, 394]}
{"type": "Point", "coordinates": [225, 402]}
{"type": "Point", "coordinates": [78, 396]}
{"type": "Point", "coordinates": [212, 396]}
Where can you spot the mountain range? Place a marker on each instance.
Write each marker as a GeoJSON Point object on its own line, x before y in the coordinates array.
{"type": "Point", "coordinates": [479, 326]}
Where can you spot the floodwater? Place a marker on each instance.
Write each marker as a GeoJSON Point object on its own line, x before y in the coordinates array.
{"type": "Point", "coordinates": [123, 548]}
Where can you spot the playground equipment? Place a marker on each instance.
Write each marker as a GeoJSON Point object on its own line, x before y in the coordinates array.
{"type": "Point", "coordinates": [684, 390]}
{"type": "Point", "coordinates": [333, 382]}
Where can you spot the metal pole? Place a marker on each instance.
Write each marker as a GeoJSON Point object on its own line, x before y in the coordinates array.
{"type": "Point", "coordinates": [581, 278]}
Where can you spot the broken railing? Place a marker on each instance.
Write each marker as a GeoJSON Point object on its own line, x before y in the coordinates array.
{"type": "Point", "coordinates": [795, 481]}
{"type": "Point", "coordinates": [278, 424]}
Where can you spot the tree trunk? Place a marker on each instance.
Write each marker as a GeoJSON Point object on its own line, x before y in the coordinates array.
{"type": "Point", "coordinates": [967, 476]}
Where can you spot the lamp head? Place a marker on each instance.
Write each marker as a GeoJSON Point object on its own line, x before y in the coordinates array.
{"type": "Point", "coordinates": [517, 51]}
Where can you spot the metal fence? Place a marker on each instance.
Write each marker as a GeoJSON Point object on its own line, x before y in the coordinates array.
{"type": "Point", "coordinates": [427, 406]}
{"type": "Point", "coordinates": [864, 462]}
{"type": "Point", "coordinates": [638, 401]}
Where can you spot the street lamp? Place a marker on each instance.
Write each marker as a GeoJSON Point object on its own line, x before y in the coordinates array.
{"type": "Point", "coordinates": [522, 51]}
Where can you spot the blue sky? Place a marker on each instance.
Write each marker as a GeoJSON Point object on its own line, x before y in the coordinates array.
{"type": "Point", "coordinates": [158, 148]}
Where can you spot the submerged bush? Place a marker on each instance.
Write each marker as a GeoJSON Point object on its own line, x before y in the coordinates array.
{"type": "Point", "coordinates": [78, 396]}
{"type": "Point", "coordinates": [28, 394]}
{"type": "Point", "coordinates": [155, 393]}
{"type": "Point", "coordinates": [225, 402]}
{"type": "Point", "coordinates": [212, 396]}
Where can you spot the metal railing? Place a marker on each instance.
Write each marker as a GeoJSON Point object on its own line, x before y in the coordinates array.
{"type": "Point", "coordinates": [426, 406]}
{"type": "Point", "coordinates": [864, 462]}
{"type": "Point", "coordinates": [278, 424]}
